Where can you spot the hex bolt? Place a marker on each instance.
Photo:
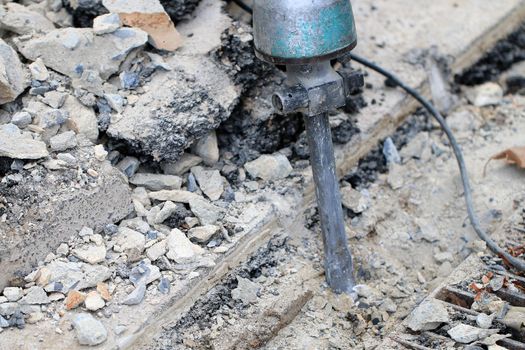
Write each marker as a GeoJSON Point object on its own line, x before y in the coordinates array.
{"type": "Point", "coordinates": [290, 100]}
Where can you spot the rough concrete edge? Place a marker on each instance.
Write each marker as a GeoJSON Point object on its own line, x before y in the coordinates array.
{"type": "Point", "coordinates": [347, 156]}
{"type": "Point", "coordinates": [18, 264]}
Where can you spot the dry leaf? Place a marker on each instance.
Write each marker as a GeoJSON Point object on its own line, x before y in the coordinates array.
{"type": "Point", "coordinates": [514, 155]}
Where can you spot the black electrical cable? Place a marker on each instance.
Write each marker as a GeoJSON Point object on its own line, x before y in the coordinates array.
{"type": "Point", "coordinates": [519, 264]}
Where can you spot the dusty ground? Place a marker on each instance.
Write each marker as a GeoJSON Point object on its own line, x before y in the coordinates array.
{"type": "Point", "coordinates": [406, 222]}
{"type": "Point", "coordinates": [406, 242]}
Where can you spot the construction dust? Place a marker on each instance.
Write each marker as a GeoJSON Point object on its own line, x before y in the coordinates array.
{"type": "Point", "coordinates": [151, 198]}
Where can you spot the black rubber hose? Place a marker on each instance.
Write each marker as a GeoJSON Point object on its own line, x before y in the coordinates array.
{"type": "Point", "coordinates": [519, 264]}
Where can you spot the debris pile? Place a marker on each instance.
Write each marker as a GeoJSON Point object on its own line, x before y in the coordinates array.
{"type": "Point", "coordinates": [113, 186]}
{"type": "Point", "coordinates": [138, 146]}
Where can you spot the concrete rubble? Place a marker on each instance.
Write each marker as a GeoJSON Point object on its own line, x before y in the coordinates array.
{"type": "Point", "coordinates": [89, 330]}
{"type": "Point", "coordinates": [427, 316]}
{"type": "Point", "coordinates": [13, 75]}
{"type": "Point", "coordinates": [80, 49]}
{"type": "Point", "coordinates": [174, 112]}
{"type": "Point", "coordinates": [123, 180]}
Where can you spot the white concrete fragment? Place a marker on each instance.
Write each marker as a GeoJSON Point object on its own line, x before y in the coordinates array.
{"type": "Point", "coordinates": [157, 250]}
{"type": "Point", "coordinates": [156, 182]}
{"type": "Point", "coordinates": [89, 330]}
{"type": "Point", "coordinates": [167, 210]}
{"type": "Point", "coordinates": [91, 253]}
{"type": "Point", "coordinates": [100, 152]}
{"type": "Point", "coordinates": [210, 182]}
{"type": "Point", "coordinates": [22, 119]}
{"type": "Point", "coordinates": [488, 94]}
{"type": "Point", "coordinates": [131, 242]}
{"type": "Point", "coordinates": [16, 145]}
{"type": "Point", "coordinates": [207, 213]}
{"type": "Point", "coordinates": [203, 234]}
{"type": "Point", "coordinates": [38, 70]}
{"type": "Point", "coordinates": [107, 23]}
{"type": "Point", "coordinates": [207, 148]}
{"type": "Point", "coordinates": [269, 167]}
{"type": "Point", "coordinates": [79, 275]}
{"type": "Point", "coordinates": [94, 301]}
{"type": "Point", "coordinates": [13, 75]}
{"type": "Point", "coordinates": [35, 296]}
{"type": "Point", "coordinates": [180, 249]}
{"type": "Point", "coordinates": [63, 141]}
{"type": "Point", "coordinates": [177, 196]}
{"type": "Point", "coordinates": [13, 293]}
{"type": "Point", "coordinates": [82, 119]}
{"type": "Point", "coordinates": [354, 200]}
{"type": "Point", "coordinates": [429, 315]}
{"type": "Point", "coordinates": [466, 334]}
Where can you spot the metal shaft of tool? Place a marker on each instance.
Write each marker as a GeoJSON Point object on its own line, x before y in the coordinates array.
{"type": "Point", "coordinates": [338, 259]}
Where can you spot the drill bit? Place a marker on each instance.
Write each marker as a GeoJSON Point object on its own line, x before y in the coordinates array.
{"type": "Point", "coordinates": [338, 260]}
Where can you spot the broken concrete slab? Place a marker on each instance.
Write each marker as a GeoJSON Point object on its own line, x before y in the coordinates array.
{"type": "Point", "coordinates": [466, 334]}
{"type": "Point", "coordinates": [131, 243]}
{"type": "Point", "coordinates": [18, 145]}
{"type": "Point", "coordinates": [207, 213]}
{"type": "Point", "coordinates": [177, 196]}
{"type": "Point", "coordinates": [25, 234]}
{"type": "Point", "coordinates": [91, 253]}
{"type": "Point", "coordinates": [72, 50]}
{"type": "Point", "coordinates": [21, 20]}
{"type": "Point", "coordinates": [13, 75]}
{"type": "Point", "coordinates": [170, 115]}
{"type": "Point", "coordinates": [182, 106]}
{"type": "Point", "coordinates": [429, 315]}
{"type": "Point", "coordinates": [76, 275]}
{"type": "Point", "coordinates": [63, 141]}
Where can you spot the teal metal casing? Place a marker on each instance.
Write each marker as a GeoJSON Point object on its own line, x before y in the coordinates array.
{"type": "Point", "coordinates": [303, 31]}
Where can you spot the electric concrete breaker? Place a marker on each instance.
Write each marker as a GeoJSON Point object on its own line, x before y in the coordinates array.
{"type": "Point", "coordinates": [304, 36]}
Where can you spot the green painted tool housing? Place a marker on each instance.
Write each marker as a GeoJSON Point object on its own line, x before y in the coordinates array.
{"type": "Point", "coordinates": [303, 31]}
